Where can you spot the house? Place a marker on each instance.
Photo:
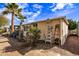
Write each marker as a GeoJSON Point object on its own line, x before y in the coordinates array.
{"type": "Point", "coordinates": [56, 28]}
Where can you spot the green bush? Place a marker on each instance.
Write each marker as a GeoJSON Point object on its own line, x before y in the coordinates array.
{"type": "Point", "coordinates": [34, 35]}
{"type": "Point", "coordinates": [72, 24]}
{"type": "Point", "coordinates": [1, 31]}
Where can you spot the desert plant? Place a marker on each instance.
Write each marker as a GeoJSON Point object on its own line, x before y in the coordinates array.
{"type": "Point", "coordinates": [34, 35]}
{"type": "Point", "coordinates": [1, 31]}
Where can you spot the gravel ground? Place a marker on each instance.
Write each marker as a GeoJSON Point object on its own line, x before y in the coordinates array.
{"type": "Point", "coordinates": [7, 50]}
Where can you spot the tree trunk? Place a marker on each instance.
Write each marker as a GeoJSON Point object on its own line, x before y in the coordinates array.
{"type": "Point", "coordinates": [12, 23]}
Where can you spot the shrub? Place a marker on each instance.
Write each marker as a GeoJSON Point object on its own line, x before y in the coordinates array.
{"type": "Point", "coordinates": [72, 25]}
{"type": "Point", "coordinates": [34, 35]}
{"type": "Point", "coordinates": [1, 31]}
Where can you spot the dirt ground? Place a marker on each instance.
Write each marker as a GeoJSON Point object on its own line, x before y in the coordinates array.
{"type": "Point", "coordinates": [6, 49]}
{"type": "Point", "coordinates": [72, 45]}
{"type": "Point", "coordinates": [66, 50]}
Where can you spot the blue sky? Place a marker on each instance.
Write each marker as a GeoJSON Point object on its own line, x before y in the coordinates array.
{"type": "Point", "coordinates": [42, 11]}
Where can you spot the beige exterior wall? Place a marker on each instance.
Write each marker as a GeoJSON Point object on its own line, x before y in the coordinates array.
{"type": "Point", "coordinates": [64, 33]}
{"type": "Point", "coordinates": [61, 33]}
{"type": "Point", "coordinates": [65, 29]}
{"type": "Point", "coordinates": [43, 27]}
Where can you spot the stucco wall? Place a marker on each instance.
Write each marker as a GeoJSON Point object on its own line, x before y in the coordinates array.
{"type": "Point", "coordinates": [43, 27]}
{"type": "Point", "coordinates": [64, 27]}
{"type": "Point", "coordinates": [61, 33]}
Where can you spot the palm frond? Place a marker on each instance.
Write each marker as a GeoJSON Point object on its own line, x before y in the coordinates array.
{"type": "Point", "coordinates": [8, 6]}
{"type": "Point", "coordinates": [14, 5]}
{"type": "Point", "coordinates": [19, 10]}
{"type": "Point", "coordinates": [14, 8]}
{"type": "Point", "coordinates": [20, 16]}
{"type": "Point", "coordinates": [5, 12]}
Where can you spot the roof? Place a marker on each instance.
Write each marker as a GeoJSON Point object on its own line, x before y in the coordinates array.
{"type": "Point", "coordinates": [58, 18]}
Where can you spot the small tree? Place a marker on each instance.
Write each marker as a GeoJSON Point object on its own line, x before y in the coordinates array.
{"type": "Point", "coordinates": [72, 25]}
{"type": "Point", "coordinates": [3, 21]}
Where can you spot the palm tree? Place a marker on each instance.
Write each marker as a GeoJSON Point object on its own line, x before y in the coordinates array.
{"type": "Point", "coordinates": [21, 18]}
{"type": "Point", "coordinates": [14, 10]}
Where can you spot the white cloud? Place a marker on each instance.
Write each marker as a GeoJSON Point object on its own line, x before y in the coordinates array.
{"type": "Point", "coordinates": [23, 5]}
{"type": "Point", "coordinates": [26, 13]}
{"type": "Point", "coordinates": [61, 6]}
{"type": "Point", "coordinates": [63, 13]}
{"type": "Point", "coordinates": [36, 14]}
{"type": "Point", "coordinates": [29, 13]}
{"type": "Point", "coordinates": [33, 16]}
{"type": "Point", "coordinates": [37, 6]}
